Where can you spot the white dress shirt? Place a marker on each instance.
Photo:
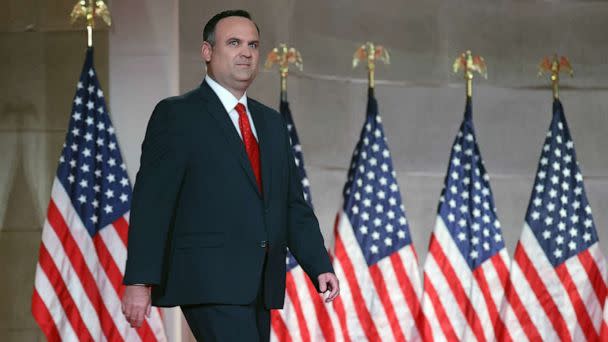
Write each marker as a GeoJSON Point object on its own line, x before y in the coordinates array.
{"type": "Point", "coordinates": [230, 101]}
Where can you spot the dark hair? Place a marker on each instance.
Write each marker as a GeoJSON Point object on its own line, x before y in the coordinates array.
{"type": "Point", "coordinates": [209, 30]}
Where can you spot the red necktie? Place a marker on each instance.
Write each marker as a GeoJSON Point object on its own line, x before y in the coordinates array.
{"type": "Point", "coordinates": [251, 145]}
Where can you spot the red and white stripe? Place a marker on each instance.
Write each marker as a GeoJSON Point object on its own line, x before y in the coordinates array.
{"type": "Point", "coordinates": [459, 304]}
{"type": "Point", "coordinates": [562, 303]}
{"type": "Point", "coordinates": [376, 303]}
{"type": "Point", "coordinates": [304, 316]}
{"type": "Point", "coordinates": [78, 282]}
{"type": "Point", "coordinates": [604, 328]}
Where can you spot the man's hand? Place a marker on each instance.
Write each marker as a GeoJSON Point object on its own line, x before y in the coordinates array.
{"type": "Point", "coordinates": [136, 303]}
{"type": "Point", "coordinates": [329, 282]}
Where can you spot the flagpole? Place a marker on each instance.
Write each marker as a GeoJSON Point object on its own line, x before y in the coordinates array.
{"type": "Point", "coordinates": [470, 64]}
{"type": "Point", "coordinates": [90, 23]}
{"type": "Point", "coordinates": [283, 56]}
{"type": "Point", "coordinates": [90, 35]}
{"type": "Point", "coordinates": [370, 53]}
{"type": "Point", "coordinates": [88, 10]}
{"type": "Point", "coordinates": [554, 67]}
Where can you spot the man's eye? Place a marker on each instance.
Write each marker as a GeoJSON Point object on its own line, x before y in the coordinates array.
{"type": "Point", "coordinates": [233, 43]}
{"type": "Point", "coordinates": [253, 45]}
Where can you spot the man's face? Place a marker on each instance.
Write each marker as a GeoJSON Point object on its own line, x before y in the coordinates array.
{"type": "Point", "coordinates": [233, 60]}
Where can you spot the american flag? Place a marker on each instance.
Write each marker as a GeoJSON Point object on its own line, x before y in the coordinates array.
{"type": "Point", "coordinates": [78, 284]}
{"type": "Point", "coordinates": [557, 287]}
{"type": "Point", "coordinates": [374, 257]}
{"type": "Point", "coordinates": [304, 316]}
{"type": "Point", "coordinates": [467, 266]}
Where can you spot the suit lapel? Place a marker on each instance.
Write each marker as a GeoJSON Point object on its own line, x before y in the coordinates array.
{"type": "Point", "coordinates": [263, 133]}
{"type": "Point", "coordinates": [214, 107]}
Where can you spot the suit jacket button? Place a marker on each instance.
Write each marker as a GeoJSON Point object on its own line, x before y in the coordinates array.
{"type": "Point", "coordinates": [263, 243]}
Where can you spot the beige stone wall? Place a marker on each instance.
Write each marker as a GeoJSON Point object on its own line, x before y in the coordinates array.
{"type": "Point", "coordinates": [154, 52]}
{"type": "Point", "coordinates": [41, 55]}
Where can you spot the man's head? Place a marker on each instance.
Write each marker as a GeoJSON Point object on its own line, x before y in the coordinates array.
{"type": "Point", "coordinates": [231, 50]}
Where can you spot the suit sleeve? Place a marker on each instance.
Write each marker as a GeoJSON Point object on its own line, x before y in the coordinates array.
{"type": "Point", "coordinates": [304, 235]}
{"type": "Point", "coordinates": [154, 197]}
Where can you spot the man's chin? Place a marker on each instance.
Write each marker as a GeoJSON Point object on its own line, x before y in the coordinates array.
{"type": "Point", "coordinates": [245, 78]}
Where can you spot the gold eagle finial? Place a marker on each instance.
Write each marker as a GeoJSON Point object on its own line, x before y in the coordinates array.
{"type": "Point", "coordinates": [89, 10]}
{"type": "Point", "coordinates": [283, 56]}
{"type": "Point", "coordinates": [370, 53]}
{"type": "Point", "coordinates": [470, 64]}
{"type": "Point", "coordinates": [554, 66]}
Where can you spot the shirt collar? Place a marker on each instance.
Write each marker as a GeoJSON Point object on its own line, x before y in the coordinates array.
{"type": "Point", "coordinates": [228, 100]}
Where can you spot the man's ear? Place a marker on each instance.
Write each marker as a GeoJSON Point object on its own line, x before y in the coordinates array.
{"type": "Point", "coordinates": [206, 52]}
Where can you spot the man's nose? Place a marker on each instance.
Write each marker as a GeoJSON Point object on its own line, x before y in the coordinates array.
{"type": "Point", "coordinates": [246, 52]}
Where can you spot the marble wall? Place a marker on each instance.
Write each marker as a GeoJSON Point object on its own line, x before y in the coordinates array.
{"type": "Point", "coordinates": [152, 51]}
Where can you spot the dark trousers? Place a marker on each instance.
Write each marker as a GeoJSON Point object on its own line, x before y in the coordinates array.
{"type": "Point", "coordinates": [212, 322]}
{"type": "Point", "coordinates": [227, 323]}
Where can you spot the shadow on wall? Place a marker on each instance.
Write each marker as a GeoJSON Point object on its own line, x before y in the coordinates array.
{"type": "Point", "coordinates": [23, 193]}
{"type": "Point", "coordinates": [29, 157]}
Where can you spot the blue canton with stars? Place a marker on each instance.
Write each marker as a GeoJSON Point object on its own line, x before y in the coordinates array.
{"type": "Point", "coordinates": [91, 168]}
{"type": "Point", "coordinates": [372, 200]}
{"type": "Point", "coordinates": [299, 160]}
{"type": "Point", "coordinates": [559, 213]}
{"type": "Point", "coordinates": [467, 205]}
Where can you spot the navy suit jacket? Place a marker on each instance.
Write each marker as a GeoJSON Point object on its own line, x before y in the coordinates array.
{"type": "Point", "coordinates": [198, 220]}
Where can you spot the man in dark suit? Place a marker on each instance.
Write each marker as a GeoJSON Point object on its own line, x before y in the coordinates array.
{"type": "Point", "coordinates": [217, 201]}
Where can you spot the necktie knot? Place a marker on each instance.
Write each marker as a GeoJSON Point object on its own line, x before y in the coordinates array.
{"type": "Point", "coordinates": [240, 108]}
